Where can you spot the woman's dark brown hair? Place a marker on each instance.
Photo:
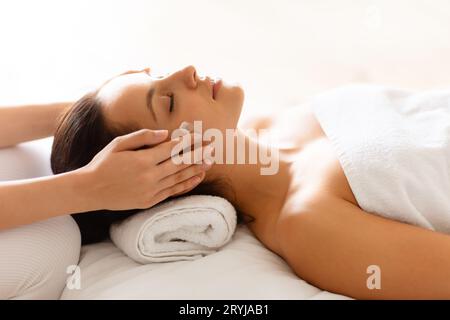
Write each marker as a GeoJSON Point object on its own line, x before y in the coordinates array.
{"type": "Point", "coordinates": [82, 133]}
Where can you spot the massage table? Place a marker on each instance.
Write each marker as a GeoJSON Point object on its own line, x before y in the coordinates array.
{"type": "Point", "coordinates": [243, 269]}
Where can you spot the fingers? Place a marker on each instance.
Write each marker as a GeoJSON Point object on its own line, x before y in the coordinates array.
{"type": "Point", "coordinates": [168, 167]}
{"type": "Point", "coordinates": [201, 176]}
{"type": "Point", "coordinates": [179, 188]}
{"type": "Point", "coordinates": [165, 150]}
{"type": "Point", "coordinates": [183, 175]}
{"type": "Point", "coordinates": [139, 139]}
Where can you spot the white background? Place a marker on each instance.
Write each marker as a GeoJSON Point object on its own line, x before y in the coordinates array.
{"type": "Point", "coordinates": [281, 51]}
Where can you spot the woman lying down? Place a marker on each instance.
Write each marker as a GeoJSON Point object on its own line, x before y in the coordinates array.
{"type": "Point", "coordinates": [359, 203]}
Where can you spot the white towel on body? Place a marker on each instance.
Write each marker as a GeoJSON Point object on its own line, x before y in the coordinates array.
{"type": "Point", "coordinates": [394, 148]}
{"type": "Point", "coordinates": [185, 228]}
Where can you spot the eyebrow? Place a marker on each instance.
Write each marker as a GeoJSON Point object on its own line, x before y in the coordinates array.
{"type": "Point", "coordinates": [150, 93]}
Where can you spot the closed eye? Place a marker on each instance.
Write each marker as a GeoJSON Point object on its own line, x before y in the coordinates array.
{"type": "Point", "coordinates": [172, 102]}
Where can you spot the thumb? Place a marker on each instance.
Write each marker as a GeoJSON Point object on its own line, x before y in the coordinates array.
{"type": "Point", "coordinates": [139, 139]}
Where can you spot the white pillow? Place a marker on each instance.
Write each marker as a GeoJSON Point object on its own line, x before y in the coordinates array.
{"type": "Point", "coordinates": [26, 160]}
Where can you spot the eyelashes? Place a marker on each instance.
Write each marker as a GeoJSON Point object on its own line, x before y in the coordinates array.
{"type": "Point", "coordinates": [171, 102]}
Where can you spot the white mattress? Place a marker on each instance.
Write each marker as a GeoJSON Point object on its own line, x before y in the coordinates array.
{"type": "Point", "coordinates": [243, 269]}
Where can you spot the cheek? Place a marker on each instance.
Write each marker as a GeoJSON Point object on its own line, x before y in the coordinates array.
{"type": "Point", "coordinates": [221, 114]}
{"type": "Point", "coordinates": [196, 108]}
{"type": "Point", "coordinates": [192, 111]}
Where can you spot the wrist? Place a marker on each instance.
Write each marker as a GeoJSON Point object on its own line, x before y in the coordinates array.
{"type": "Point", "coordinates": [82, 187]}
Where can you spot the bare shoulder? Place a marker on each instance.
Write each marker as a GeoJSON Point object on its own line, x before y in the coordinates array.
{"type": "Point", "coordinates": [333, 244]}
{"type": "Point", "coordinates": [303, 215]}
{"type": "Point", "coordinates": [306, 205]}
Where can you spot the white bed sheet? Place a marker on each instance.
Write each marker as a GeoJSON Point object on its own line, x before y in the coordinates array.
{"type": "Point", "coordinates": [243, 269]}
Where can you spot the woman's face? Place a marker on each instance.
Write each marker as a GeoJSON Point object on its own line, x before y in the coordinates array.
{"type": "Point", "coordinates": [137, 99]}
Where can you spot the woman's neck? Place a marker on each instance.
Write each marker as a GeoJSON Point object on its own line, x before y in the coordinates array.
{"type": "Point", "coordinates": [250, 188]}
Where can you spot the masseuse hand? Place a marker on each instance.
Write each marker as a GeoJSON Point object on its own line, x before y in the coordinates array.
{"type": "Point", "coordinates": [122, 177]}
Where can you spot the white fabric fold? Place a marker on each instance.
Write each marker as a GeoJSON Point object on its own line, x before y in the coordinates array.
{"type": "Point", "coordinates": [394, 147]}
{"type": "Point", "coordinates": [185, 228]}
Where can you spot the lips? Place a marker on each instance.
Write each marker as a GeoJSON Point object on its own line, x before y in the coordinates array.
{"type": "Point", "coordinates": [216, 87]}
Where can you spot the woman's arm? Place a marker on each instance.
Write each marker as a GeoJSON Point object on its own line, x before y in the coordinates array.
{"type": "Point", "coordinates": [333, 243]}
{"type": "Point", "coordinates": [28, 122]}
{"type": "Point", "coordinates": [126, 174]}
{"type": "Point", "coordinates": [31, 200]}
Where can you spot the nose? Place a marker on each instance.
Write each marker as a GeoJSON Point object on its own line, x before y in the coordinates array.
{"type": "Point", "coordinates": [190, 71]}
{"type": "Point", "coordinates": [189, 75]}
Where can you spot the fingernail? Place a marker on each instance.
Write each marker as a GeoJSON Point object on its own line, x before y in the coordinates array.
{"type": "Point", "coordinates": [186, 125]}
{"type": "Point", "coordinates": [161, 133]}
{"type": "Point", "coordinates": [196, 179]}
{"type": "Point", "coordinates": [208, 162]}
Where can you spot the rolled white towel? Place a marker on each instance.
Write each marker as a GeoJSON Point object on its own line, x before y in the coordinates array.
{"type": "Point", "coordinates": [185, 228]}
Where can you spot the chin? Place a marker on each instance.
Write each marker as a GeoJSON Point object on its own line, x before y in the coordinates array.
{"type": "Point", "coordinates": [240, 97]}
{"type": "Point", "coordinates": [233, 95]}
{"type": "Point", "coordinates": [240, 92]}
{"type": "Point", "coordinates": [231, 99]}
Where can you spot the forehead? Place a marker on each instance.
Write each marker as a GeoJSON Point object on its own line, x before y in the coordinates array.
{"type": "Point", "coordinates": [123, 99]}
{"type": "Point", "coordinates": [122, 87]}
